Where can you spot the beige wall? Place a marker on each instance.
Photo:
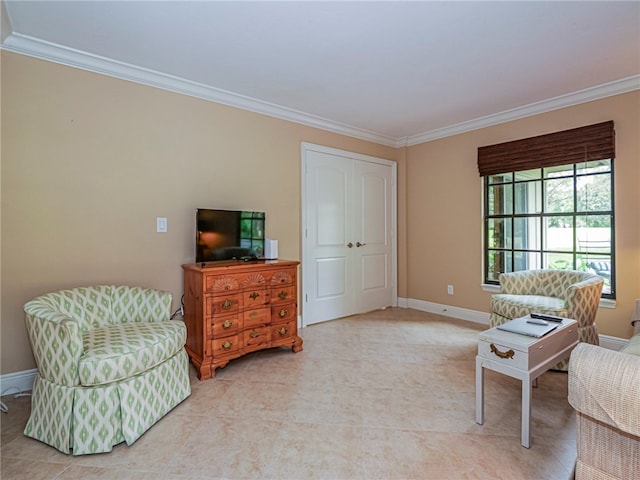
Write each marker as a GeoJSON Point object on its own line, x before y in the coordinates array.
{"type": "Point", "coordinates": [444, 208]}
{"type": "Point", "coordinates": [89, 162]}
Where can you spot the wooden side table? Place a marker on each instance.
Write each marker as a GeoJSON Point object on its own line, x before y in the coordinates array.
{"type": "Point", "coordinates": [522, 357]}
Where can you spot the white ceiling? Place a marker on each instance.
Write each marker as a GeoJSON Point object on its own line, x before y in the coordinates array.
{"type": "Point", "coordinates": [393, 72]}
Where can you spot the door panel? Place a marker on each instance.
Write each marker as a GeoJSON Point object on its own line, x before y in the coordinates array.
{"type": "Point", "coordinates": [328, 271]}
{"type": "Point", "coordinates": [372, 192]}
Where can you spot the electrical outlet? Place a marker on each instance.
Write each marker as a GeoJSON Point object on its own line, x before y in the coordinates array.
{"type": "Point", "coordinates": [450, 289]}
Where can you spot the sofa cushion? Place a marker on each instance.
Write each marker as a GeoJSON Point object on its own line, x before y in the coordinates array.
{"type": "Point", "coordinates": [116, 352]}
{"type": "Point", "coordinates": [514, 306]}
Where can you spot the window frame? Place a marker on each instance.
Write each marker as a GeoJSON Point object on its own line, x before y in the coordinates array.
{"type": "Point", "coordinates": [543, 215]}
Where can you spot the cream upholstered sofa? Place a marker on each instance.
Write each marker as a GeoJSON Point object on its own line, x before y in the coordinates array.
{"type": "Point", "coordinates": [604, 390]}
{"type": "Point", "coordinates": [565, 293]}
{"type": "Point", "coordinates": [110, 364]}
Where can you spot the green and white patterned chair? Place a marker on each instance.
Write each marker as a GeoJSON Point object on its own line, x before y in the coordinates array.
{"type": "Point", "coordinates": [566, 293]}
{"type": "Point", "coordinates": [110, 362]}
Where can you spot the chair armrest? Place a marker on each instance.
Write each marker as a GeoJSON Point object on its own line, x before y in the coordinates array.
{"type": "Point", "coordinates": [583, 298]}
{"type": "Point", "coordinates": [524, 282]}
{"type": "Point", "coordinates": [56, 341]}
{"type": "Point", "coordinates": [604, 385]}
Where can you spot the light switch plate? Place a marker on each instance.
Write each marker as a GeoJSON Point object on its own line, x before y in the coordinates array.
{"type": "Point", "coordinates": [161, 224]}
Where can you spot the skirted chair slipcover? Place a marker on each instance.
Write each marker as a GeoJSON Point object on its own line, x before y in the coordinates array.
{"type": "Point", "coordinates": [565, 293]}
{"type": "Point", "coordinates": [110, 363]}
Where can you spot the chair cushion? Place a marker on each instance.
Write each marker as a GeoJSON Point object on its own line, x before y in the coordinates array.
{"type": "Point", "coordinates": [116, 352]}
{"type": "Point", "coordinates": [514, 306]}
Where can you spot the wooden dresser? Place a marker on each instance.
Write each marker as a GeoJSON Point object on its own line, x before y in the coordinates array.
{"type": "Point", "coordinates": [233, 307]}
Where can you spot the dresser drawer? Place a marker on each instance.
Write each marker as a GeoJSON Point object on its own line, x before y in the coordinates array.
{"type": "Point", "coordinates": [225, 345]}
{"type": "Point", "coordinates": [224, 304]}
{"type": "Point", "coordinates": [256, 337]}
{"type": "Point", "coordinates": [283, 330]}
{"type": "Point", "coordinates": [254, 297]}
{"type": "Point", "coordinates": [283, 313]}
{"type": "Point", "coordinates": [222, 326]}
{"type": "Point", "coordinates": [284, 294]}
{"type": "Point", "coordinates": [256, 317]}
{"type": "Point", "coordinates": [222, 284]}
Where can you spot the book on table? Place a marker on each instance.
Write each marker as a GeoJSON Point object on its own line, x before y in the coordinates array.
{"type": "Point", "coordinates": [523, 326]}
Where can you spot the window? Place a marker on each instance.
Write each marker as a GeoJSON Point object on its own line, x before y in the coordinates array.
{"type": "Point", "coordinates": [549, 214]}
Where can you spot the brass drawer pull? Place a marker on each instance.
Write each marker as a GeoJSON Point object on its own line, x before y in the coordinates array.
{"type": "Point", "coordinates": [508, 354]}
{"type": "Point", "coordinates": [283, 313]}
{"type": "Point", "coordinates": [227, 345]}
{"type": "Point", "coordinates": [227, 324]}
{"type": "Point", "coordinates": [283, 331]}
{"type": "Point", "coordinates": [227, 304]}
{"type": "Point", "coordinates": [283, 295]}
{"type": "Point", "coordinates": [254, 295]}
{"type": "Point", "coordinates": [254, 334]}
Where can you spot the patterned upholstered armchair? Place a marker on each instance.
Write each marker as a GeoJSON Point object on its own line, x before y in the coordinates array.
{"type": "Point", "coordinates": [110, 364]}
{"type": "Point", "coordinates": [566, 293]}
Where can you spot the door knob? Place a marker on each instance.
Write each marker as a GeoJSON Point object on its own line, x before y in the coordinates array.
{"type": "Point", "coordinates": [349, 244]}
{"type": "Point", "coordinates": [358, 244]}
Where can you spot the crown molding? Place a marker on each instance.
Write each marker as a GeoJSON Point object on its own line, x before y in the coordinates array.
{"type": "Point", "coordinates": [34, 47]}
{"type": "Point", "coordinates": [616, 87]}
{"type": "Point", "coordinates": [41, 49]}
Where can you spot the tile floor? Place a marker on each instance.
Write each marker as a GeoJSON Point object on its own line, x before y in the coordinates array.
{"type": "Point", "coordinates": [384, 395]}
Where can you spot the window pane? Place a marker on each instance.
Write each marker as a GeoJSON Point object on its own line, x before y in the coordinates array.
{"type": "Point", "coordinates": [499, 233]}
{"type": "Point", "coordinates": [558, 233]}
{"type": "Point", "coordinates": [558, 261]}
{"type": "Point", "coordinates": [529, 175]}
{"type": "Point", "coordinates": [600, 265]}
{"type": "Point", "coordinates": [499, 262]}
{"type": "Point", "coordinates": [559, 171]}
{"type": "Point", "coordinates": [527, 261]}
{"type": "Point", "coordinates": [594, 193]}
{"type": "Point", "coordinates": [558, 195]}
{"type": "Point", "coordinates": [526, 233]}
{"type": "Point", "coordinates": [528, 197]}
{"type": "Point", "coordinates": [500, 202]}
{"type": "Point", "coordinates": [500, 178]}
{"type": "Point", "coordinates": [593, 167]}
{"type": "Point", "coordinates": [594, 233]}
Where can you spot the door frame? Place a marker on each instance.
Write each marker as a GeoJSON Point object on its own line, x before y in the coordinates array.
{"type": "Point", "coordinates": [306, 147]}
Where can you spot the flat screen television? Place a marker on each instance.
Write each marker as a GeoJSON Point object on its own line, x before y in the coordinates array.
{"type": "Point", "coordinates": [229, 234]}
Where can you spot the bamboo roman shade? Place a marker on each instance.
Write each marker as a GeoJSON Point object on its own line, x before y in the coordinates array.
{"type": "Point", "coordinates": [583, 144]}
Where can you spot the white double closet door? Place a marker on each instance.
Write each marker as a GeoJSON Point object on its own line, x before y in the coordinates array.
{"type": "Point", "coordinates": [349, 233]}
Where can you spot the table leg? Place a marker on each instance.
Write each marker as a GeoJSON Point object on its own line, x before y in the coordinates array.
{"type": "Point", "coordinates": [479, 392]}
{"type": "Point", "coordinates": [526, 412]}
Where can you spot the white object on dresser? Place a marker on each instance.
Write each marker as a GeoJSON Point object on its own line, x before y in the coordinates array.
{"type": "Point", "coordinates": [522, 357]}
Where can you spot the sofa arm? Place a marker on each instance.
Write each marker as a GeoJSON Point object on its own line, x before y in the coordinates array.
{"type": "Point", "coordinates": [524, 282]}
{"type": "Point", "coordinates": [604, 385]}
{"type": "Point", "coordinates": [56, 341]}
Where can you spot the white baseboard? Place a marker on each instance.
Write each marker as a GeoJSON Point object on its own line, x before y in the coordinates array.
{"type": "Point", "coordinates": [612, 343]}
{"type": "Point", "coordinates": [446, 310]}
{"type": "Point", "coordinates": [12, 383]}
{"type": "Point", "coordinates": [606, 341]}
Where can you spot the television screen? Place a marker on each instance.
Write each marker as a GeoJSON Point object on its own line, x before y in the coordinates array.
{"type": "Point", "coordinates": [229, 234]}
